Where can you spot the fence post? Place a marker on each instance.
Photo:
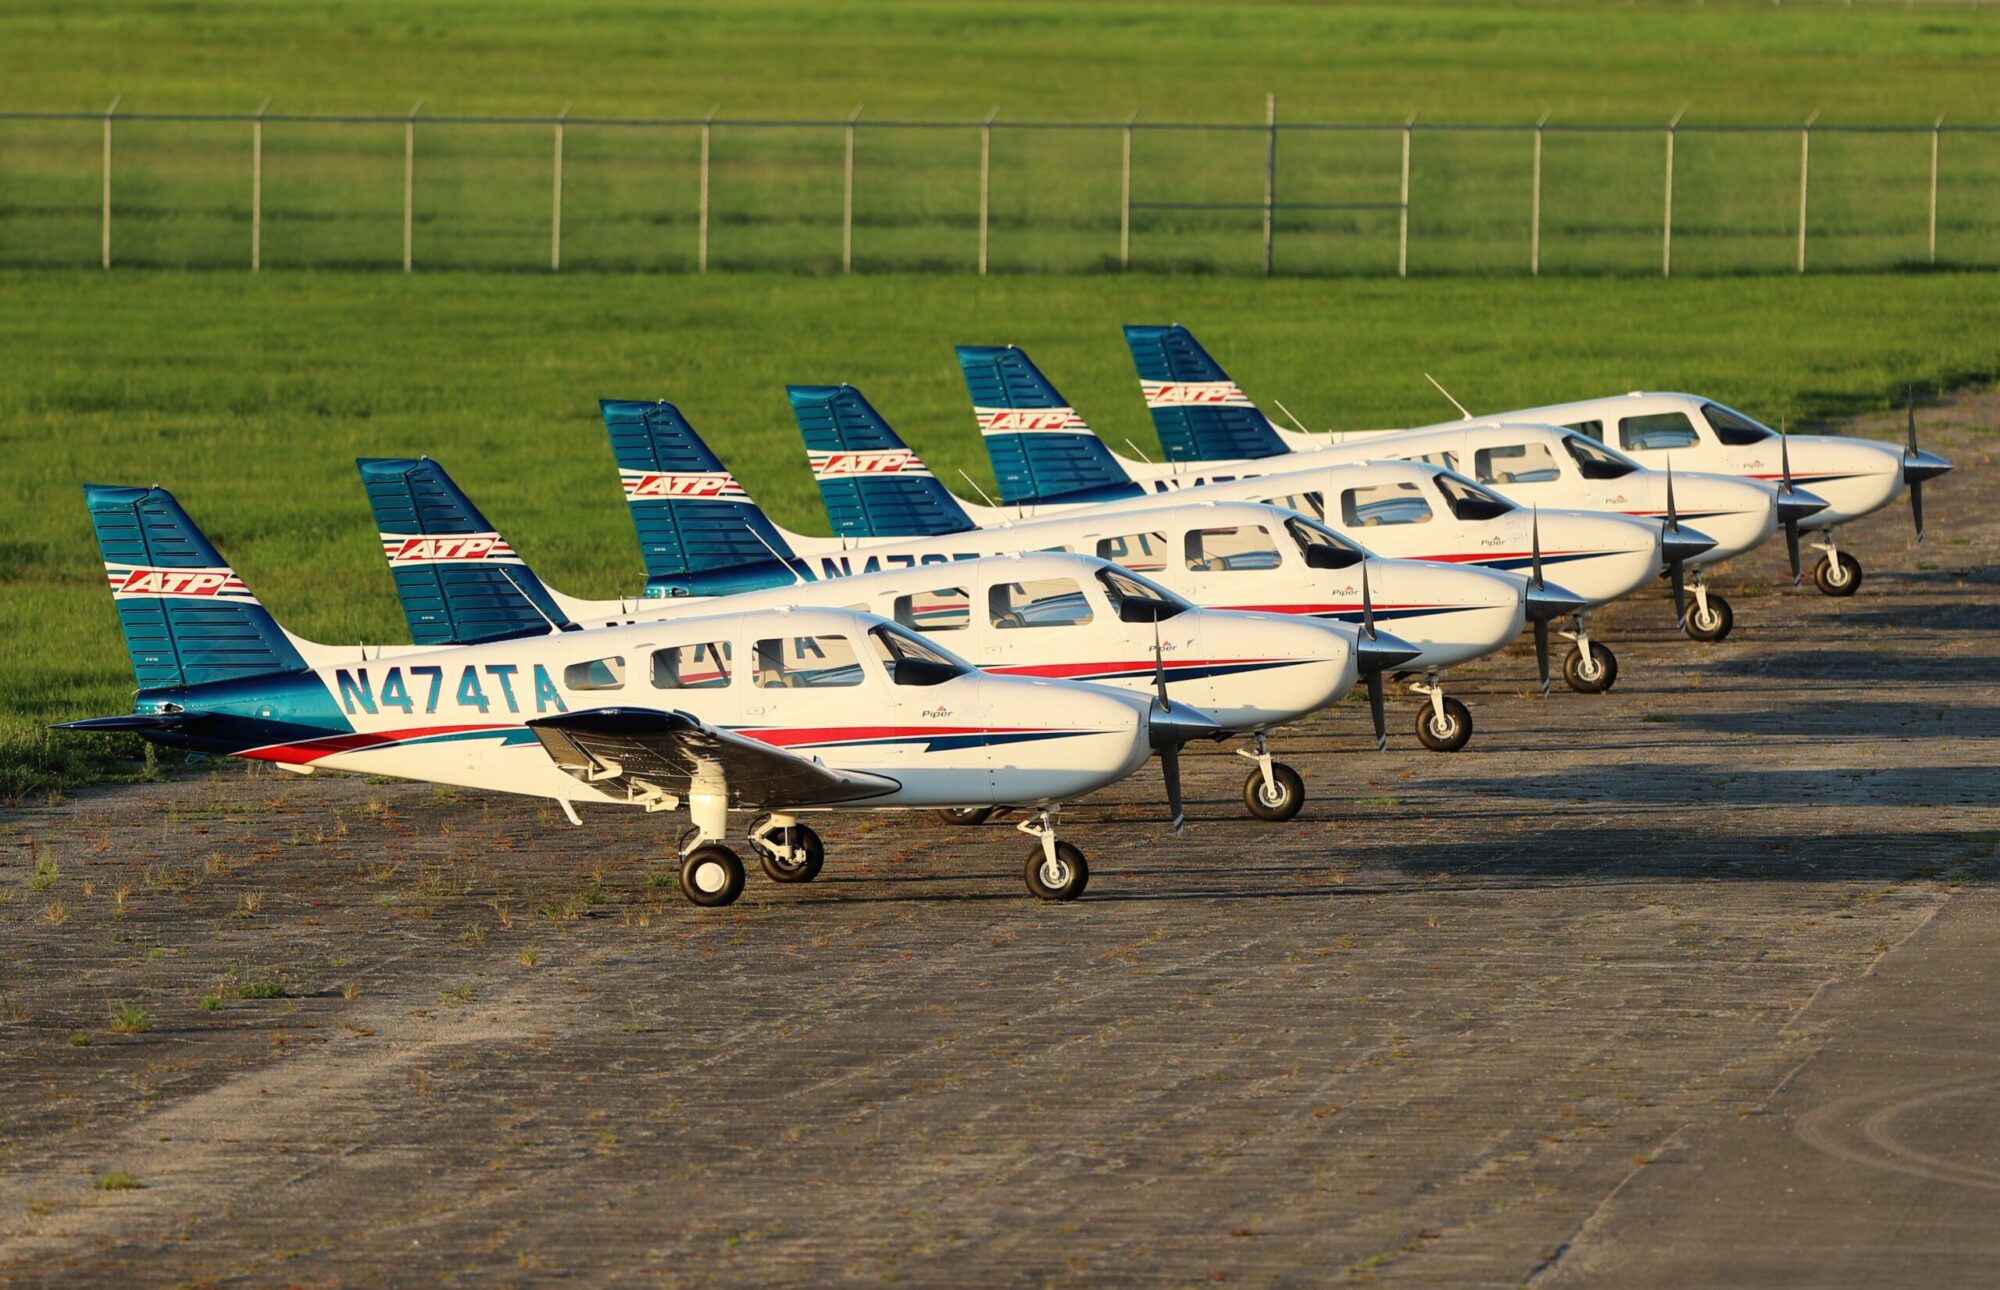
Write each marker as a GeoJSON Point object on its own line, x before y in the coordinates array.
{"type": "Point", "coordinates": [555, 216]}
{"type": "Point", "coordinates": [1937, 128]}
{"type": "Point", "coordinates": [1125, 198]}
{"type": "Point", "coordinates": [1403, 209]}
{"type": "Point", "coordinates": [1667, 216]}
{"type": "Point", "coordinates": [257, 188]}
{"type": "Point", "coordinates": [107, 178]}
{"type": "Point", "coordinates": [847, 197]}
{"type": "Point", "coordinates": [987, 157]}
{"type": "Point", "coordinates": [1270, 172]}
{"type": "Point", "coordinates": [409, 179]}
{"type": "Point", "coordinates": [1535, 216]}
{"type": "Point", "coordinates": [701, 234]}
{"type": "Point", "coordinates": [1805, 173]}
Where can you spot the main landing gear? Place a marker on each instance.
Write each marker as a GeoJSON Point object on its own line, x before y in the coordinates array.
{"type": "Point", "coordinates": [1711, 618]}
{"type": "Point", "coordinates": [1443, 725]}
{"type": "Point", "coordinates": [1273, 791]}
{"type": "Point", "coordinates": [1589, 667]}
{"type": "Point", "coordinates": [788, 850]}
{"type": "Point", "coordinates": [1056, 870]}
{"type": "Point", "coordinates": [712, 874]}
{"type": "Point", "coordinates": [1836, 574]}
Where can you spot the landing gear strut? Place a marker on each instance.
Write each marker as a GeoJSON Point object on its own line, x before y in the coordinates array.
{"type": "Point", "coordinates": [1836, 574]}
{"type": "Point", "coordinates": [789, 851]}
{"type": "Point", "coordinates": [1274, 790]}
{"type": "Point", "coordinates": [1055, 869]}
{"type": "Point", "coordinates": [1443, 725]}
{"type": "Point", "coordinates": [1590, 667]}
{"type": "Point", "coordinates": [711, 874]}
{"type": "Point", "coordinates": [1711, 618]}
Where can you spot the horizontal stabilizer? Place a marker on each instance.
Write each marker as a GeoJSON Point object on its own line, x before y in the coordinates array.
{"type": "Point", "coordinates": [132, 721]}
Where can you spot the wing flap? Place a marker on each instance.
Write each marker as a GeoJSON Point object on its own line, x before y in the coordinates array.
{"type": "Point", "coordinates": [647, 755]}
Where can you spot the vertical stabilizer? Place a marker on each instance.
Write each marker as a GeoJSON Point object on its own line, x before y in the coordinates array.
{"type": "Point", "coordinates": [1200, 414]}
{"type": "Point", "coordinates": [1041, 450]}
{"type": "Point", "coordinates": [873, 485]}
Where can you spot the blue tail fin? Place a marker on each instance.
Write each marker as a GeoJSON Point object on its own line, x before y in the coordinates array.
{"type": "Point", "coordinates": [459, 581]}
{"type": "Point", "coordinates": [188, 618]}
{"type": "Point", "coordinates": [699, 532]}
{"type": "Point", "coordinates": [1042, 451]}
{"type": "Point", "coordinates": [1199, 412]}
{"type": "Point", "coordinates": [871, 482]}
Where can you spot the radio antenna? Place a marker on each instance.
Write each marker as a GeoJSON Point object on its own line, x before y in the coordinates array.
{"type": "Point", "coordinates": [1447, 393]}
{"type": "Point", "coordinates": [798, 579]}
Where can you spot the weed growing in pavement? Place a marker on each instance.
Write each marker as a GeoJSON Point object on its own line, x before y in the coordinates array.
{"type": "Point", "coordinates": [129, 1019]}
{"type": "Point", "coordinates": [56, 913]}
{"type": "Point", "coordinates": [79, 1039]}
{"type": "Point", "coordinates": [45, 874]}
{"type": "Point", "coordinates": [262, 989]}
{"type": "Point", "coordinates": [211, 1003]}
{"type": "Point", "coordinates": [117, 1180]}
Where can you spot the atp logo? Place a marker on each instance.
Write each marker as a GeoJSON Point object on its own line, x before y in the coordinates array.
{"type": "Point", "coordinates": [1029, 420]}
{"type": "Point", "coordinates": [887, 461]}
{"type": "Point", "coordinates": [403, 549]}
{"type": "Point", "coordinates": [1182, 394]}
{"type": "Point", "coordinates": [205, 584]}
{"type": "Point", "coordinates": [652, 485]}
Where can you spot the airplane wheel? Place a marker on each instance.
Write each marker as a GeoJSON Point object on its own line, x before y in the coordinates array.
{"type": "Point", "coordinates": [711, 875]}
{"type": "Point", "coordinates": [1716, 625]}
{"type": "Point", "coordinates": [1065, 880]}
{"type": "Point", "coordinates": [1594, 676]}
{"type": "Point", "coordinates": [1451, 734]}
{"type": "Point", "coordinates": [1838, 579]}
{"type": "Point", "coordinates": [805, 870]}
{"type": "Point", "coordinates": [1275, 806]}
{"type": "Point", "coordinates": [967, 814]}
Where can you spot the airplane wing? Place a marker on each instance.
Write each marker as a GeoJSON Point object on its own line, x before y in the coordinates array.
{"type": "Point", "coordinates": [649, 756]}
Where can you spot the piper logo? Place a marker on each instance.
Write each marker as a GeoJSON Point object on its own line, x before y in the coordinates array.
{"type": "Point", "coordinates": [205, 584]}
{"type": "Point", "coordinates": [1029, 420]}
{"type": "Point", "coordinates": [887, 461]}
{"type": "Point", "coordinates": [1182, 394]}
{"type": "Point", "coordinates": [644, 485]}
{"type": "Point", "coordinates": [404, 549]}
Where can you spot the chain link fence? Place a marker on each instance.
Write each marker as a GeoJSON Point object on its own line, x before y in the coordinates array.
{"type": "Point", "coordinates": [271, 189]}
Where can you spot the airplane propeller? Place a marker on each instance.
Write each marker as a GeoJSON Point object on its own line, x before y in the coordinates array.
{"type": "Point", "coordinates": [1918, 465]}
{"type": "Point", "coordinates": [1535, 581]}
{"type": "Point", "coordinates": [1676, 568]}
{"type": "Point", "coordinates": [1788, 489]}
{"type": "Point", "coordinates": [1375, 700]}
{"type": "Point", "coordinates": [1172, 727]}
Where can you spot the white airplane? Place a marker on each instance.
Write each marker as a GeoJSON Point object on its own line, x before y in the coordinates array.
{"type": "Point", "coordinates": [1202, 416]}
{"type": "Point", "coordinates": [1215, 552]}
{"type": "Point", "coordinates": [777, 711]}
{"type": "Point", "coordinates": [1071, 617]}
{"type": "Point", "coordinates": [1855, 477]}
{"type": "Point", "coordinates": [1048, 462]}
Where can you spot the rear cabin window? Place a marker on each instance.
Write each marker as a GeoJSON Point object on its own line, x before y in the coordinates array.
{"type": "Point", "coordinates": [1519, 463]}
{"type": "Point", "coordinates": [1139, 552]}
{"type": "Point", "coordinates": [1656, 430]}
{"type": "Point", "coordinates": [703, 666]}
{"type": "Point", "coordinates": [1384, 504]}
{"type": "Point", "coordinates": [1594, 429]}
{"type": "Point", "coordinates": [596, 674]}
{"type": "Point", "coordinates": [948, 609]}
{"type": "Point", "coordinates": [1448, 460]}
{"type": "Point", "coordinates": [807, 663]}
{"type": "Point", "coordinates": [1304, 503]}
{"type": "Point", "coordinates": [1246, 546]}
{"type": "Point", "coordinates": [1043, 602]}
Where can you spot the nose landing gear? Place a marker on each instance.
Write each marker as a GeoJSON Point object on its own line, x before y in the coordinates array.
{"type": "Point", "coordinates": [1443, 725]}
{"type": "Point", "coordinates": [1837, 573]}
{"type": "Point", "coordinates": [1056, 870]}
{"type": "Point", "coordinates": [1590, 667]}
{"type": "Point", "coordinates": [1711, 618]}
{"type": "Point", "coordinates": [1274, 790]}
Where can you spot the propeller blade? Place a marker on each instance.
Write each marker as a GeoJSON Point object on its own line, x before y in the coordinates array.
{"type": "Point", "coordinates": [1542, 653]}
{"type": "Point", "coordinates": [1678, 572]}
{"type": "Point", "coordinates": [1159, 670]}
{"type": "Point", "coordinates": [1673, 512]}
{"type": "Point", "coordinates": [1917, 506]}
{"type": "Point", "coordinates": [1785, 458]}
{"type": "Point", "coordinates": [1170, 770]}
{"type": "Point", "coordinates": [1375, 710]}
{"type": "Point", "coordinates": [1792, 548]}
{"type": "Point", "coordinates": [1367, 603]}
{"type": "Point", "coordinates": [1909, 454]}
{"type": "Point", "coordinates": [1536, 531]}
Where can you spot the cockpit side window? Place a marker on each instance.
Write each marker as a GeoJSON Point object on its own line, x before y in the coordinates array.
{"type": "Point", "coordinates": [1383, 504]}
{"type": "Point", "coordinates": [807, 663]}
{"type": "Point", "coordinates": [1042, 602]}
{"type": "Point", "coordinates": [1656, 430]}
{"type": "Point", "coordinates": [1322, 547]}
{"type": "Point", "coordinates": [1468, 501]}
{"type": "Point", "coordinates": [1596, 461]}
{"type": "Point", "coordinates": [1121, 585]}
{"type": "Point", "coordinates": [701, 666]}
{"type": "Point", "coordinates": [911, 661]}
{"type": "Point", "coordinates": [1735, 429]}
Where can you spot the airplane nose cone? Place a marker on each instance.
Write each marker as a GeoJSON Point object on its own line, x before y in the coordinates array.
{"type": "Point", "coordinates": [1799, 503]}
{"type": "Point", "coordinates": [1181, 724]}
{"type": "Point", "coordinates": [1921, 465]}
{"type": "Point", "coordinates": [1684, 545]}
{"type": "Point", "coordinates": [1383, 652]}
{"type": "Point", "coordinates": [1549, 601]}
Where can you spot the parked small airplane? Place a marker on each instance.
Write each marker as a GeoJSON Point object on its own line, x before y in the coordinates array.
{"type": "Point", "coordinates": [1048, 461]}
{"type": "Point", "coordinates": [1214, 552]}
{"type": "Point", "coordinates": [778, 711]}
{"type": "Point", "coordinates": [1072, 617]}
{"type": "Point", "coordinates": [1201, 415]}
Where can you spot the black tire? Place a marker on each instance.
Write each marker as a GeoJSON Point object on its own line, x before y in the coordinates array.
{"type": "Point", "coordinates": [711, 876]}
{"type": "Point", "coordinates": [1290, 799]}
{"type": "Point", "coordinates": [806, 870]}
{"type": "Point", "coordinates": [1450, 737]}
{"type": "Point", "coordinates": [1843, 582]}
{"type": "Point", "coordinates": [1073, 877]}
{"type": "Point", "coordinates": [967, 814]}
{"type": "Point", "coordinates": [1595, 680]}
{"type": "Point", "coordinates": [1721, 618]}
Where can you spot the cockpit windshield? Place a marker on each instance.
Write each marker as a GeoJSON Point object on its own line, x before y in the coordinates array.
{"type": "Point", "coordinates": [1470, 501]}
{"type": "Point", "coordinates": [1122, 586]}
{"type": "Point", "coordinates": [1322, 547]}
{"type": "Point", "coordinates": [1597, 461]}
{"type": "Point", "coordinates": [914, 661]}
{"type": "Point", "coordinates": [1735, 429]}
